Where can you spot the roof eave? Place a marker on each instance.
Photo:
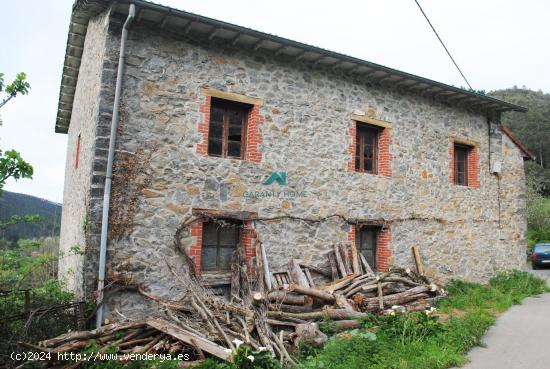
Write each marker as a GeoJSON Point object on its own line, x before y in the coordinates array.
{"type": "Point", "coordinates": [83, 10]}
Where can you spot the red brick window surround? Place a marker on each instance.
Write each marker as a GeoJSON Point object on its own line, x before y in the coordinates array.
{"type": "Point", "coordinates": [464, 163]}
{"type": "Point", "coordinates": [374, 243]}
{"type": "Point", "coordinates": [370, 146]}
{"type": "Point", "coordinates": [214, 246]}
{"type": "Point", "coordinates": [230, 126]}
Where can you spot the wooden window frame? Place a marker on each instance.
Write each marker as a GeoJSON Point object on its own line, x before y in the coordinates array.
{"type": "Point", "coordinates": [227, 105]}
{"type": "Point", "coordinates": [466, 149]}
{"type": "Point", "coordinates": [218, 246]}
{"type": "Point", "coordinates": [77, 152]}
{"type": "Point", "coordinates": [358, 239]}
{"type": "Point", "coordinates": [361, 128]}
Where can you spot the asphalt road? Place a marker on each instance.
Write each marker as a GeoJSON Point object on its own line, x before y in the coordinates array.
{"type": "Point", "coordinates": [520, 339]}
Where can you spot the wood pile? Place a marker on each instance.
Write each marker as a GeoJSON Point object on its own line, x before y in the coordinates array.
{"type": "Point", "coordinates": [274, 311]}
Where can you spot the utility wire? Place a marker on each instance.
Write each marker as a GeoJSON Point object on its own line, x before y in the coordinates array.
{"type": "Point", "coordinates": [445, 47]}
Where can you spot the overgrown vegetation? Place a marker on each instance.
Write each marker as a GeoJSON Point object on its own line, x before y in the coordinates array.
{"type": "Point", "coordinates": [538, 212]}
{"type": "Point", "coordinates": [533, 129]}
{"type": "Point", "coordinates": [29, 290]}
{"type": "Point", "coordinates": [429, 340]}
{"type": "Point", "coordinates": [424, 340]}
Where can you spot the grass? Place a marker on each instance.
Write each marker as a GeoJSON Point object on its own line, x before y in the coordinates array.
{"type": "Point", "coordinates": [428, 342]}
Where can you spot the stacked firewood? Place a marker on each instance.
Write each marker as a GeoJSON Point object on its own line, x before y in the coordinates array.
{"type": "Point", "coordinates": [271, 311]}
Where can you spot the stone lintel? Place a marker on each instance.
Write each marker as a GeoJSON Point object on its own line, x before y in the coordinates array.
{"type": "Point", "coordinates": [372, 121]}
{"type": "Point", "coordinates": [464, 141]}
{"type": "Point", "coordinates": [232, 96]}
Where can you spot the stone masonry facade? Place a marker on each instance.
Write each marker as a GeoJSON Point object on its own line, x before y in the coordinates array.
{"type": "Point", "coordinates": [302, 123]}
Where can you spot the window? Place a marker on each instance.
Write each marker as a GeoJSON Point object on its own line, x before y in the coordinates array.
{"type": "Point", "coordinates": [461, 153]}
{"type": "Point", "coordinates": [366, 241]}
{"type": "Point", "coordinates": [77, 152]}
{"type": "Point", "coordinates": [366, 149]}
{"type": "Point", "coordinates": [218, 244]}
{"type": "Point", "coordinates": [227, 130]}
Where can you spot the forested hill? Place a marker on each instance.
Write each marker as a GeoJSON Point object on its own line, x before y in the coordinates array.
{"type": "Point", "coordinates": [533, 127]}
{"type": "Point", "coordinates": [19, 204]}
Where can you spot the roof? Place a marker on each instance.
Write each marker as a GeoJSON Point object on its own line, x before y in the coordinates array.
{"type": "Point", "coordinates": [526, 152]}
{"type": "Point", "coordinates": [179, 21]}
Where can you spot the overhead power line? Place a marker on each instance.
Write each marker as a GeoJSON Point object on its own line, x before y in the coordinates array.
{"type": "Point", "coordinates": [443, 44]}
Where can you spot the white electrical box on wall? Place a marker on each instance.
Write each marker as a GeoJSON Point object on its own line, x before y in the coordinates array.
{"type": "Point", "coordinates": [496, 167]}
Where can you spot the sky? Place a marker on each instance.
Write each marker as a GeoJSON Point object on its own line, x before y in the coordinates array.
{"type": "Point", "coordinates": [496, 43]}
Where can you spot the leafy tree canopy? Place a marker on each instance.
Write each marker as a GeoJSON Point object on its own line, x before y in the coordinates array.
{"type": "Point", "coordinates": [533, 127]}
{"type": "Point", "coordinates": [13, 166]}
{"type": "Point", "coordinates": [18, 86]}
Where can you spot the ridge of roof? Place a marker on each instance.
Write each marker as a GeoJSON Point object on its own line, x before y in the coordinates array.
{"type": "Point", "coordinates": [83, 10]}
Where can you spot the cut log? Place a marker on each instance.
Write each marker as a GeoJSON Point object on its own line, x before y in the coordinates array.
{"type": "Point", "coordinates": [380, 296]}
{"type": "Point", "coordinates": [296, 274]}
{"type": "Point", "coordinates": [333, 314]}
{"type": "Point", "coordinates": [309, 278]}
{"type": "Point", "coordinates": [339, 262]}
{"type": "Point", "coordinates": [345, 257]}
{"type": "Point", "coordinates": [355, 264]}
{"type": "Point", "coordinates": [366, 267]}
{"type": "Point", "coordinates": [257, 298]}
{"type": "Point", "coordinates": [333, 265]}
{"type": "Point", "coordinates": [418, 260]}
{"type": "Point", "coordinates": [317, 270]}
{"type": "Point", "coordinates": [311, 334]}
{"type": "Point", "coordinates": [236, 274]}
{"type": "Point", "coordinates": [265, 264]}
{"type": "Point", "coordinates": [372, 304]}
{"type": "Point", "coordinates": [337, 284]}
{"type": "Point", "coordinates": [290, 308]}
{"type": "Point", "coordinates": [313, 292]}
{"type": "Point", "coordinates": [78, 335]}
{"type": "Point", "coordinates": [342, 325]}
{"type": "Point", "coordinates": [285, 297]}
{"type": "Point", "coordinates": [190, 338]}
{"type": "Point", "coordinates": [342, 302]}
{"type": "Point", "coordinates": [280, 322]}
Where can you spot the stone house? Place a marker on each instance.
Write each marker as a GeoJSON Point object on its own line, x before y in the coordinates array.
{"type": "Point", "coordinates": [227, 136]}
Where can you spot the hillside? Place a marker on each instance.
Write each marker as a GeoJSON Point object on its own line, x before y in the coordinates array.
{"type": "Point", "coordinates": [533, 127]}
{"type": "Point", "coordinates": [19, 204]}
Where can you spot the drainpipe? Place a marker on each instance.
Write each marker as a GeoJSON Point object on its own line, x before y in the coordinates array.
{"type": "Point", "coordinates": [109, 173]}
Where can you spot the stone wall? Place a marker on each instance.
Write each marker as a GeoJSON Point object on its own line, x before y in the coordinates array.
{"type": "Point", "coordinates": [76, 196]}
{"type": "Point", "coordinates": [160, 176]}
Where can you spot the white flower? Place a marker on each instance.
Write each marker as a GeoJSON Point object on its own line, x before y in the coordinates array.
{"type": "Point", "coordinates": [430, 311]}
{"type": "Point", "coordinates": [237, 342]}
{"type": "Point", "coordinates": [261, 348]}
{"type": "Point", "coordinates": [250, 357]}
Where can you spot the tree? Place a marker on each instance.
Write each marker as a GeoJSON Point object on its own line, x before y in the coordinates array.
{"type": "Point", "coordinates": [12, 164]}
{"type": "Point", "coordinates": [533, 127]}
{"type": "Point", "coordinates": [18, 86]}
